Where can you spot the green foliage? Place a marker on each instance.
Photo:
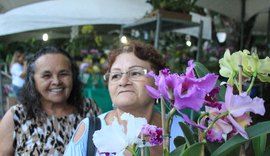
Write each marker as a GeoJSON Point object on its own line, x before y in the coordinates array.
{"type": "Point", "coordinates": [176, 52]}
{"type": "Point", "coordinates": [195, 149]}
{"type": "Point", "coordinates": [87, 39]}
{"type": "Point", "coordinates": [179, 140]}
{"type": "Point", "coordinates": [178, 151]}
{"type": "Point", "coordinates": [187, 133]}
{"type": "Point", "coordinates": [259, 144]}
{"type": "Point", "coordinates": [184, 6]}
{"type": "Point", "coordinates": [254, 131]}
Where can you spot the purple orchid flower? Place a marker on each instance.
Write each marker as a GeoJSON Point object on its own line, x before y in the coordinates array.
{"type": "Point", "coordinates": [239, 105]}
{"type": "Point", "coordinates": [237, 119]}
{"type": "Point", "coordinates": [166, 83]}
{"type": "Point", "coordinates": [154, 132]}
{"type": "Point", "coordinates": [182, 91]}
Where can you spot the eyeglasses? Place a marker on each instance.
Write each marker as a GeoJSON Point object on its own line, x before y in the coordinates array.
{"type": "Point", "coordinates": [133, 74]}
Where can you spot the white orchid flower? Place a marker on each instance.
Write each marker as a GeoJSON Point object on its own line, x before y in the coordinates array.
{"type": "Point", "coordinates": [114, 139]}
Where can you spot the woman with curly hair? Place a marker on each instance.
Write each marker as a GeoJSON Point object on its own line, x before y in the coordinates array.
{"type": "Point", "coordinates": [126, 78]}
{"type": "Point", "coordinates": [51, 106]}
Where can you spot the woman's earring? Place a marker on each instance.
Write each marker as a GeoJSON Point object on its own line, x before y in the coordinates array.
{"type": "Point", "coordinates": [157, 101]}
{"type": "Point", "coordinates": [113, 106]}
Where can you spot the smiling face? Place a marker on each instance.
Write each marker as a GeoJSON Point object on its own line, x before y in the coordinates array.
{"type": "Point", "coordinates": [129, 94]}
{"type": "Point", "coordinates": [53, 78]}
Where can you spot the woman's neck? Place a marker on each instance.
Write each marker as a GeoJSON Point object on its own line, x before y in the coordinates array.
{"type": "Point", "coordinates": [58, 110]}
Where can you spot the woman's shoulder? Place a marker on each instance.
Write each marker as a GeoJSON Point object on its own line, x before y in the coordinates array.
{"type": "Point", "coordinates": [78, 143]}
{"type": "Point", "coordinates": [103, 115]}
{"type": "Point", "coordinates": [18, 115]}
{"type": "Point", "coordinates": [18, 110]}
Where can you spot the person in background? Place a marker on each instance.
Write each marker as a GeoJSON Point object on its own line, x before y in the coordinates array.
{"type": "Point", "coordinates": [126, 79]}
{"type": "Point", "coordinates": [18, 70]}
{"type": "Point", "coordinates": [51, 106]}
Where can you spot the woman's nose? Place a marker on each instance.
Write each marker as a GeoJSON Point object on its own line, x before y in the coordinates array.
{"type": "Point", "coordinates": [56, 80]}
{"type": "Point", "coordinates": [124, 80]}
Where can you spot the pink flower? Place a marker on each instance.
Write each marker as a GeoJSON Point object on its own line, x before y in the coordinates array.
{"type": "Point", "coordinates": [238, 107]}
{"type": "Point", "coordinates": [154, 132]}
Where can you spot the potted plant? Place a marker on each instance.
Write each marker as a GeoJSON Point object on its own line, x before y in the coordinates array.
{"type": "Point", "coordinates": [172, 8]}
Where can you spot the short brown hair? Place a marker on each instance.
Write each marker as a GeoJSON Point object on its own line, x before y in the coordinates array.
{"type": "Point", "coordinates": [142, 50]}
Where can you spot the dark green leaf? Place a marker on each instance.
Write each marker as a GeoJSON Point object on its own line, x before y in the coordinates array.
{"type": "Point", "coordinates": [266, 152]}
{"type": "Point", "coordinates": [179, 140]}
{"type": "Point", "coordinates": [178, 151]}
{"type": "Point", "coordinates": [259, 144]}
{"type": "Point", "coordinates": [187, 133]}
{"type": "Point", "coordinates": [212, 146]}
{"type": "Point", "coordinates": [195, 149]}
{"type": "Point", "coordinates": [253, 132]}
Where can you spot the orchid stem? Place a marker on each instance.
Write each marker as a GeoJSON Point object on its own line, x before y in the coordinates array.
{"type": "Point", "coordinates": [130, 149]}
{"type": "Point", "coordinates": [236, 84]}
{"type": "Point", "coordinates": [163, 120]}
{"type": "Point", "coordinates": [201, 116]}
{"type": "Point", "coordinates": [169, 117]}
{"type": "Point", "coordinates": [251, 83]}
{"type": "Point", "coordinates": [215, 120]}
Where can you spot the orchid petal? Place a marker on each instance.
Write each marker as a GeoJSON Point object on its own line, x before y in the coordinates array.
{"type": "Point", "coordinates": [163, 88]}
{"type": "Point", "coordinates": [119, 140]}
{"type": "Point", "coordinates": [243, 104]}
{"type": "Point", "coordinates": [191, 122]}
{"type": "Point", "coordinates": [237, 105]}
{"type": "Point", "coordinates": [208, 82]}
{"type": "Point", "coordinates": [239, 129]}
{"type": "Point", "coordinates": [134, 126]}
{"type": "Point", "coordinates": [189, 70]}
{"type": "Point", "coordinates": [152, 74]}
{"type": "Point", "coordinates": [116, 134]}
{"type": "Point", "coordinates": [194, 98]}
{"type": "Point", "coordinates": [153, 92]}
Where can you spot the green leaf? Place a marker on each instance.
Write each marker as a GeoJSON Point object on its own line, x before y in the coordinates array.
{"type": "Point", "coordinates": [187, 133]}
{"type": "Point", "coordinates": [253, 132]}
{"type": "Point", "coordinates": [212, 146]}
{"type": "Point", "coordinates": [165, 152]}
{"type": "Point", "coordinates": [195, 149]}
{"type": "Point", "coordinates": [179, 140]}
{"type": "Point", "coordinates": [259, 144]}
{"type": "Point", "coordinates": [201, 71]}
{"type": "Point", "coordinates": [266, 152]}
{"type": "Point", "coordinates": [178, 151]}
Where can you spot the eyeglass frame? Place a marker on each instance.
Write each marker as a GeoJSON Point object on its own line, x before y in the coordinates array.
{"type": "Point", "coordinates": [122, 73]}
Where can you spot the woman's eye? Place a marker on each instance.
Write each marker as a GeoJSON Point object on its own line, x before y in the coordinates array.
{"type": "Point", "coordinates": [46, 76]}
{"type": "Point", "coordinates": [116, 76]}
{"type": "Point", "coordinates": [136, 73]}
{"type": "Point", "coordinates": [64, 74]}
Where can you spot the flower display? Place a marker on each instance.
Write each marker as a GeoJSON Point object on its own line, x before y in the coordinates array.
{"type": "Point", "coordinates": [220, 119]}
{"type": "Point", "coordinates": [224, 110]}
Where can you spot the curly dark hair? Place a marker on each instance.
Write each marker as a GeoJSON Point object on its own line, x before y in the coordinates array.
{"type": "Point", "coordinates": [30, 97]}
{"type": "Point", "coordinates": [142, 50]}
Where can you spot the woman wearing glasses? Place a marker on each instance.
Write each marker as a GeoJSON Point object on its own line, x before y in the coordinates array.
{"type": "Point", "coordinates": [126, 80]}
